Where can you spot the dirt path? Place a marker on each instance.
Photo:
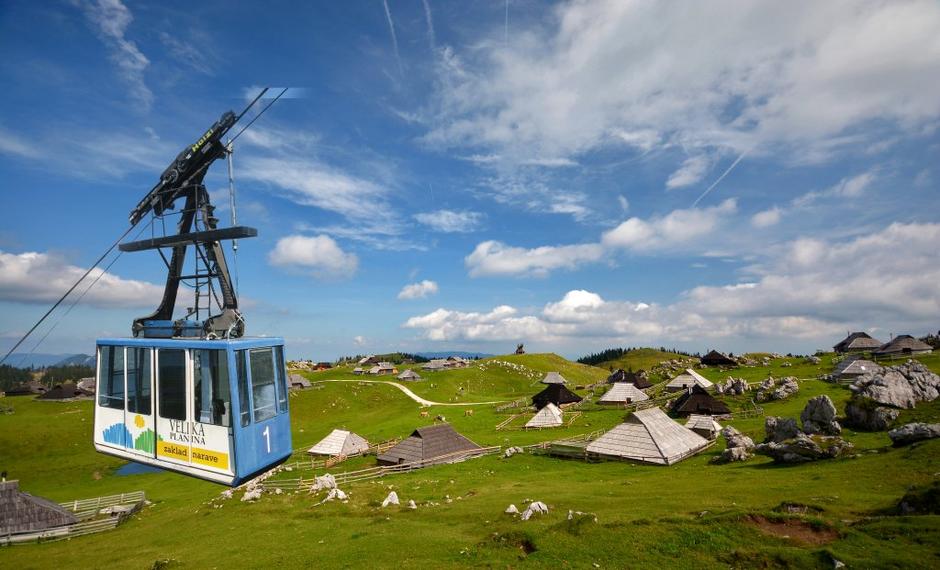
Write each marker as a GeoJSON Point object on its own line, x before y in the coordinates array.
{"type": "Point", "coordinates": [414, 396]}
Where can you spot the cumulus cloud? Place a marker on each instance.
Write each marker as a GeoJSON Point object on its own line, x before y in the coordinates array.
{"type": "Point", "coordinates": [110, 19]}
{"type": "Point", "coordinates": [319, 255]}
{"type": "Point", "coordinates": [809, 76]}
{"type": "Point", "coordinates": [450, 221]}
{"type": "Point", "coordinates": [418, 290]}
{"type": "Point", "coordinates": [767, 218]}
{"type": "Point", "coordinates": [810, 290]}
{"type": "Point", "coordinates": [491, 258]}
{"type": "Point", "coordinates": [692, 171]}
{"type": "Point", "coordinates": [359, 340]}
{"type": "Point", "coordinates": [35, 277]}
{"type": "Point", "coordinates": [674, 229]}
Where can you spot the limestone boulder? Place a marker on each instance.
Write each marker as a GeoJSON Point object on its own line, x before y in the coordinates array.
{"type": "Point", "coordinates": [780, 429]}
{"type": "Point", "coordinates": [913, 432]}
{"type": "Point", "coordinates": [819, 416]}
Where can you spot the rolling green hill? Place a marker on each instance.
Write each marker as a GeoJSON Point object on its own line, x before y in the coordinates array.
{"type": "Point", "coordinates": [639, 359]}
{"type": "Point", "coordinates": [690, 515]}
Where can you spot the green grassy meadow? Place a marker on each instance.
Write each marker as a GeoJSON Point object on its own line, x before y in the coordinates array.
{"type": "Point", "coordinates": [690, 515]}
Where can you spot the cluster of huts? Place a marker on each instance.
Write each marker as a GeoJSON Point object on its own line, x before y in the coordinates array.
{"type": "Point", "coordinates": [68, 390]}
{"type": "Point", "coordinates": [427, 445]}
{"type": "Point", "coordinates": [901, 345]}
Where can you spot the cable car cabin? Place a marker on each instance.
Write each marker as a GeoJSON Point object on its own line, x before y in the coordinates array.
{"type": "Point", "coordinates": [214, 409]}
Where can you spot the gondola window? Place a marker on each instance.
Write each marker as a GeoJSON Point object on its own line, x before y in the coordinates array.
{"type": "Point", "coordinates": [112, 377]}
{"type": "Point", "coordinates": [210, 387]}
{"type": "Point", "coordinates": [138, 380]}
{"type": "Point", "coordinates": [262, 383]}
{"type": "Point", "coordinates": [172, 382]}
{"type": "Point", "coordinates": [242, 387]}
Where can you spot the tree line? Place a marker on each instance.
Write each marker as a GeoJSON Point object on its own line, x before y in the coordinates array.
{"type": "Point", "coordinates": [618, 353]}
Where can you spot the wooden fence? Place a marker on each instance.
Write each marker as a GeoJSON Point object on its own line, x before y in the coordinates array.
{"type": "Point", "coordinates": [306, 484]}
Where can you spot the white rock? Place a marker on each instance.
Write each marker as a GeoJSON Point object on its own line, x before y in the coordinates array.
{"type": "Point", "coordinates": [324, 482]}
{"type": "Point", "coordinates": [252, 495]}
{"type": "Point", "coordinates": [391, 499]}
{"type": "Point", "coordinates": [511, 510]}
{"type": "Point", "coordinates": [412, 505]}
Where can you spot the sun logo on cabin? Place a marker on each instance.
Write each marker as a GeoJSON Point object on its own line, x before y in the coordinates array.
{"type": "Point", "coordinates": [139, 421]}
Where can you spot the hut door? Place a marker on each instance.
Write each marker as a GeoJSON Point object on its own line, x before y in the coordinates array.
{"type": "Point", "coordinates": [138, 410]}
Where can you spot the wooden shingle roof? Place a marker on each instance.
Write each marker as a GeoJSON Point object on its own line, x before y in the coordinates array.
{"type": "Point", "coordinates": [857, 342]}
{"type": "Point", "coordinates": [22, 512]}
{"type": "Point", "coordinates": [556, 394]}
{"type": "Point", "coordinates": [688, 379]}
{"type": "Point", "coordinates": [622, 393]}
{"type": "Point", "coordinates": [649, 436]}
{"type": "Point", "coordinates": [428, 442]}
{"type": "Point", "coordinates": [698, 401]}
{"type": "Point", "coordinates": [340, 442]}
{"type": "Point", "coordinates": [903, 344]}
{"type": "Point", "coordinates": [632, 377]}
{"type": "Point", "coordinates": [554, 378]}
{"type": "Point", "coordinates": [715, 358]}
{"type": "Point", "coordinates": [549, 416]}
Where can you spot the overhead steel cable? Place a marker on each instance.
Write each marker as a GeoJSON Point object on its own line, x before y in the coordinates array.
{"type": "Point", "coordinates": [67, 293]}
{"type": "Point", "coordinates": [128, 231]}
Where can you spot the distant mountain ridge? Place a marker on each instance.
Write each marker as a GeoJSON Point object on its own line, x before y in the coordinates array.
{"type": "Point", "coordinates": [41, 360]}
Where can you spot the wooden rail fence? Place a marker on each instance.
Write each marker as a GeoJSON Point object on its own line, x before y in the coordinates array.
{"type": "Point", "coordinates": [85, 511]}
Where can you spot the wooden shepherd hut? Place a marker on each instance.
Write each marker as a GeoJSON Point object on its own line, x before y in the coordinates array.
{"type": "Point", "coordinates": [340, 442]}
{"type": "Point", "coordinates": [638, 379]}
{"type": "Point", "coordinates": [715, 358]}
{"type": "Point", "coordinates": [688, 379]}
{"type": "Point", "coordinates": [21, 512]}
{"type": "Point", "coordinates": [548, 417]}
{"type": "Point", "coordinates": [903, 345]}
{"type": "Point", "coordinates": [705, 426]}
{"type": "Point", "coordinates": [698, 401]}
{"type": "Point", "coordinates": [649, 436]}
{"type": "Point", "coordinates": [427, 444]}
{"type": "Point", "coordinates": [409, 376]}
{"type": "Point", "coordinates": [554, 378]}
{"type": "Point", "coordinates": [623, 393]}
{"type": "Point", "coordinates": [857, 342]}
{"type": "Point", "coordinates": [853, 367]}
{"type": "Point", "coordinates": [556, 394]}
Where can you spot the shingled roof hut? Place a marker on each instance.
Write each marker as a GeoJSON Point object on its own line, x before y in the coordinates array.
{"type": "Point", "coordinates": [549, 416]}
{"type": "Point", "coordinates": [851, 368]}
{"type": "Point", "coordinates": [554, 378]}
{"type": "Point", "coordinates": [902, 345]}
{"type": "Point", "coordinates": [26, 388]}
{"type": "Point", "coordinates": [409, 376]}
{"type": "Point", "coordinates": [857, 342]}
{"type": "Point", "coordinates": [649, 436]}
{"type": "Point", "coordinates": [21, 512]}
{"type": "Point", "coordinates": [705, 426]}
{"type": "Point", "coordinates": [688, 379]}
{"type": "Point", "coordinates": [715, 358]}
{"type": "Point", "coordinates": [556, 394]}
{"type": "Point", "coordinates": [297, 382]}
{"type": "Point", "coordinates": [64, 391]}
{"type": "Point", "coordinates": [698, 401]}
{"type": "Point", "coordinates": [340, 442]}
{"type": "Point", "coordinates": [426, 444]}
{"type": "Point", "coordinates": [638, 379]}
{"type": "Point", "coordinates": [623, 393]}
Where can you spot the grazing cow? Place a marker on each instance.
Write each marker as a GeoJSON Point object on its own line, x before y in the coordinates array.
{"type": "Point", "coordinates": [424, 413]}
{"type": "Point", "coordinates": [468, 413]}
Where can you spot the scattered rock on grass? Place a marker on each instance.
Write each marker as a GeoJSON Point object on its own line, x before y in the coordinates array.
{"type": "Point", "coordinates": [536, 507]}
{"type": "Point", "coordinates": [391, 499]}
{"type": "Point", "coordinates": [738, 446]}
{"type": "Point", "coordinates": [819, 416]}
{"type": "Point", "coordinates": [910, 433]}
{"type": "Point", "coordinates": [780, 429]}
{"type": "Point", "coordinates": [803, 448]}
{"type": "Point", "coordinates": [511, 510]}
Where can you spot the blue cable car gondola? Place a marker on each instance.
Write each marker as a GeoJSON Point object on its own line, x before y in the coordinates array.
{"type": "Point", "coordinates": [191, 394]}
{"type": "Point", "coordinates": [214, 409]}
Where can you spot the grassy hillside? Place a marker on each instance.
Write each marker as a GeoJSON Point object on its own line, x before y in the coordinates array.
{"type": "Point", "coordinates": [639, 359]}
{"type": "Point", "coordinates": [691, 515]}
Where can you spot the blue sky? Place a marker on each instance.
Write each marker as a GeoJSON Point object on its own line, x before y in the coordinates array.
{"type": "Point", "coordinates": [574, 176]}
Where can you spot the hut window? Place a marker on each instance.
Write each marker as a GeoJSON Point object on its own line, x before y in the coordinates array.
{"type": "Point", "coordinates": [111, 382]}
{"type": "Point", "coordinates": [211, 394]}
{"type": "Point", "coordinates": [262, 383]}
{"type": "Point", "coordinates": [138, 380]}
{"type": "Point", "coordinates": [242, 387]}
{"type": "Point", "coordinates": [171, 374]}
{"type": "Point", "coordinates": [281, 379]}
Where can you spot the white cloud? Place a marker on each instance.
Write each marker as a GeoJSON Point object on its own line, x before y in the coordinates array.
{"type": "Point", "coordinates": [34, 277]}
{"type": "Point", "coordinates": [807, 293]}
{"type": "Point", "coordinates": [495, 258]}
{"type": "Point", "coordinates": [111, 19]}
{"type": "Point", "coordinates": [450, 221]}
{"type": "Point", "coordinates": [767, 218]}
{"type": "Point", "coordinates": [320, 256]}
{"type": "Point", "coordinates": [359, 340]}
{"type": "Point", "coordinates": [418, 290]}
{"type": "Point", "coordinates": [849, 187]}
{"type": "Point", "coordinates": [532, 191]}
{"type": "Point", "coordinates": [14, 145]}
{"type": "Point", "coordinates": [811, 76]}
{"type": "Point", "coordinates": [674, 229]}
{"type": "Point", "coordinates": [692, 171]}
{"type": "Point", "coordinates": [624, 203]}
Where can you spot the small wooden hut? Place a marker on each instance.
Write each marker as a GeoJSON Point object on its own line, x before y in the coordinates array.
{"type": "Point", "coordinates": [556, 394]}
{"type": "Point", "coordinates": [698, 401]}
{"type": "Point", "coordinates": [649, 436]}
{"type": "Point", "coordinates": [623, 393]}
{"type": "Point", "coordinates": [340, 442]}
{"type": "Point", "coordinates": [548, 417]}
{"type": "Point", "coordinates": [903, 345]}
{"type": "Point", "coordinates": [705, 426]}
{"type": "Point", "coordinates": [857, 342]}
{"type": "Point", "coordinates": [688, 379]}
{"type": "Point", "coordinates": [638, 379]}
{"type": "Point", "coordinates": [21, 512]}
{"type": "Point", "coordinates": [554, 378]}
{"type": "Point", "coordinates": [409, 376]}
{"type": "Point", "coordinates": [715, 358]}
{"type": "Point", "coordinates": [427, 444]}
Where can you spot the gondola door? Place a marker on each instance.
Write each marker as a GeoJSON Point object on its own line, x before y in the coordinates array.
{"type": "Point", "coordinates": [173, 424]}
{"type": "Point", "coordinates": [138, 409]}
